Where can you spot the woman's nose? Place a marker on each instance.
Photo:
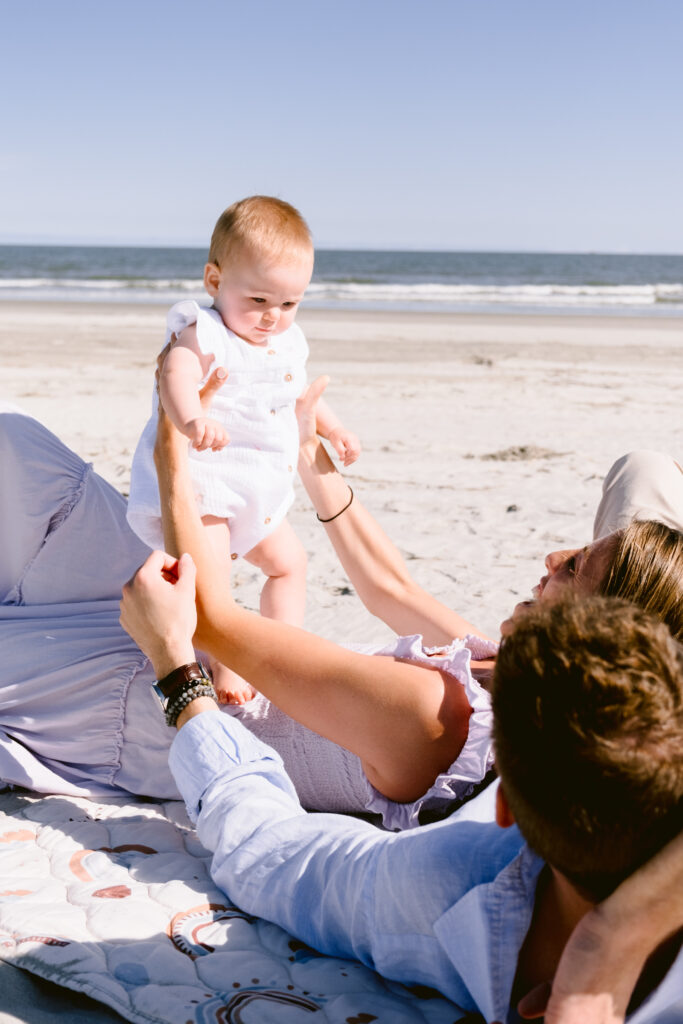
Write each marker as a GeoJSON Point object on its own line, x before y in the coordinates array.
{"type": "Point", "coordinates": [556, 559]}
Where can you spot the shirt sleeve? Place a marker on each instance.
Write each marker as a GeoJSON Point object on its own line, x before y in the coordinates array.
{"type": "Point", "coordinates": [337, 883]}
{"type": "Point", "coordinates": [271, 857]}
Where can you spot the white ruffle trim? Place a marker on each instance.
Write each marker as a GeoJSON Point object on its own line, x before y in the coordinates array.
{"type": "Point", "coordinates": [476, 757]}
{"type": "Point", "coordinates": [212, 334]}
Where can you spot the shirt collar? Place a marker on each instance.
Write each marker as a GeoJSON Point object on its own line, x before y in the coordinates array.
{"type": "Point", "coordinates": [483, 932]}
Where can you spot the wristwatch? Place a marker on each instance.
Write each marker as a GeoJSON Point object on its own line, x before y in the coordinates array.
{"type": "Point", "coordinates": [180, 679]}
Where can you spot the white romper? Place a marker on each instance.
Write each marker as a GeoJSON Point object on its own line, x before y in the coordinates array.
{"type": "Point", "coordinates": [249, 482]}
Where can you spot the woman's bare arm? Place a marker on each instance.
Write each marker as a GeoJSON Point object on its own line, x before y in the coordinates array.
{"type": "Point", "coordinates": [372, 563]}
{"type": "Point", "coordinates": [378, 709]}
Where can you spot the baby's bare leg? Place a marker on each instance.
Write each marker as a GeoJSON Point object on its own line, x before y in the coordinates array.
{"type": "Point", "coordinates": [230, 688]}
{"type": "Point", "coordinates": [282, 558]}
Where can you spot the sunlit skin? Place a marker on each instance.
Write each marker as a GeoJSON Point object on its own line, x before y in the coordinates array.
{"type": "Point", "coordinates": [578, 569]}
{"type": "Point", "coordinates": [258, 299]}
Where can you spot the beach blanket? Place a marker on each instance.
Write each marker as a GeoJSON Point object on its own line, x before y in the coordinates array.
{"type": "Point", "coordinates": [113, 898]}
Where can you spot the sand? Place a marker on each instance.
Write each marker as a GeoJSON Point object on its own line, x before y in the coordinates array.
{"type": "Point", "coordinates": [485, 437]}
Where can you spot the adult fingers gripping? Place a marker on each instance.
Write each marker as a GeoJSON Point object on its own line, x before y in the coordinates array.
{"type": "Point", "coordinates": [215, 382]}
{"type": "Point", "coordinates": [306, 405]}
{"type": "Point", "coordinates": [157, 606]}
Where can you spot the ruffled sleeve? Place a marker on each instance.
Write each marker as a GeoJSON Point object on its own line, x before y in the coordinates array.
{"type": "Point", "coordinates": [480, 648]}
{"type": "Point", "coordinates": [212, 334]}
{"type": "Point", "coordinates": [475, 760]}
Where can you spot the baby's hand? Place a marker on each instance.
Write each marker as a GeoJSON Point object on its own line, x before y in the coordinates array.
{"type": "Point", "coordinates": [345, 444]}
{"type": "Point", "coordinates": [206, 433]}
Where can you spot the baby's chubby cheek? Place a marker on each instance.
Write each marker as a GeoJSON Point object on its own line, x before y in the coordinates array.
{"type": "Point", "coordinates": [519, 611]}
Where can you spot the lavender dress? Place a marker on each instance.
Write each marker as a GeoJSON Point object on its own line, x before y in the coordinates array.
{"type": "Point", "coordinates": [77, 714]}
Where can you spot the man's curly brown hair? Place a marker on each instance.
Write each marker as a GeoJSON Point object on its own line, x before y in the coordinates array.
{"type": "Point", "coordinates": [588, 732]}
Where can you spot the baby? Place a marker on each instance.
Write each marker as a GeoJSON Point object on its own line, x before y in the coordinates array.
{"type": "Point", "coordinates": [244, 456]}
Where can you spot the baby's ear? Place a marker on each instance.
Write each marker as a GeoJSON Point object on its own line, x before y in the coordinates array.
{"type": "Point", "coordinates": [212, 279]}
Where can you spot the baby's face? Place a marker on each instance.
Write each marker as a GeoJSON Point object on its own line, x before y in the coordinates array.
{"type": "Point", "coordinates": [257, 299]}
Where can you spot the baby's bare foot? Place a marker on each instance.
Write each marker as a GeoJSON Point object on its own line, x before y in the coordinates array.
{"type": "Point", "coordinates": [230, 688]}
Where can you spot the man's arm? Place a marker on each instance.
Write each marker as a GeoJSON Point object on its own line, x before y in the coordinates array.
{"type": "Point", "coordinates": [337, 883]}
{"type": "Point", "coordinates": [269, 856]}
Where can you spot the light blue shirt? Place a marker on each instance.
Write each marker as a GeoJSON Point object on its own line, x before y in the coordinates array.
{"type": "Point", "coordinates": [447, 905]}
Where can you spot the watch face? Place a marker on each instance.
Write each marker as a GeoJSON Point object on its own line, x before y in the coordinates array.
{"type": "Point", "coordinates": [162, 698]}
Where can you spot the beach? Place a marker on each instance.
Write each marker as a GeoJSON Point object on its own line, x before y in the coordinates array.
{"type": "Point", "coordinates": [485, 440]}
{"type": "Point", "coordinates": [485, 436]}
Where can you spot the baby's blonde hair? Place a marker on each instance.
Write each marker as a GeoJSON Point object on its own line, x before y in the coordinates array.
{"type": "Point", "coordinates": [647, 569]}
{"type": "Point", "coordinates": [261, 226]}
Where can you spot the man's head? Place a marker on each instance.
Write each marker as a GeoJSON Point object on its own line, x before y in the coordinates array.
{"type": "Point", "coordinates": [588, 731]}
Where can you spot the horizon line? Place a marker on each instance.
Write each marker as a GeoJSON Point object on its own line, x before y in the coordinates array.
{"type": "Point", "coordinates": [357, 248]}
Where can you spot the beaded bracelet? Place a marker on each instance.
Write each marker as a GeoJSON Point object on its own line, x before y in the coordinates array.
{"type": "Point", "coordinates": [185, 697]}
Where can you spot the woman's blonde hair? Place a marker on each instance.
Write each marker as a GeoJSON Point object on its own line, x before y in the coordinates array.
{"type": "Point", "coordinates": [647, 569]}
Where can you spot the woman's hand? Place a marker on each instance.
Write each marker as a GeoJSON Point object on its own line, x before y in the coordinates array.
{"type": "Point", "coordinates": [158, 610]}
{"type": "Point", "coordinates": [306, 405]}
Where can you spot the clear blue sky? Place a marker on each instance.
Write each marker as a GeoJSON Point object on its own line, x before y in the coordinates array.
{"type": "Point", "coordinates": [448, 124]}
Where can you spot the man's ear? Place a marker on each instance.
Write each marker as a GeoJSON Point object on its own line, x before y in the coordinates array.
{"type": "Point", "coordinates": [504, 816]}
{"type": "Point", "coordinates": [212, 278]}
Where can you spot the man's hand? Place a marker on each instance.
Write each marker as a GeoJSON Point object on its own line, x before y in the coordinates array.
{"type": "Point", "coordinates": [213, 384]}
{"type": "Point", "coordinates": [158, 610]}
{"type": "Point", "coordinates": [345, 444]}
{"type": "Point", "coordinates": [606, 952]}
{"type": "Point", "coordinates": [570, 1008]}
{"type": "Point", "coordinates": [595, 977]}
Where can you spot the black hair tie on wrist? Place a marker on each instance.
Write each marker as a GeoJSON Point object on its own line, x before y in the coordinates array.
{"type": "Point", "coordinates": [337, 514]}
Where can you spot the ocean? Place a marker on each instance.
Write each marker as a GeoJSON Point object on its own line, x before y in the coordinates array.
{"type": "Point", "coordinates": [362, 279]}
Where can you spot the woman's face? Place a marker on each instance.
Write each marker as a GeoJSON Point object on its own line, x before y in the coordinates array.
{"type": "Point", "coordinates": [576, 570]}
